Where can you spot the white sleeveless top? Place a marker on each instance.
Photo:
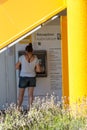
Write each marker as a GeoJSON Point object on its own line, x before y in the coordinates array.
{"type": "Point", "coordinates": [28, 69]}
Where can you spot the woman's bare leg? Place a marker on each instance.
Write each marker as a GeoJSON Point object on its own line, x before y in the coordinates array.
{"type": "Point", "coordinates": [30, 95]}
{"type": "Point", "coordinates": [21, 95]}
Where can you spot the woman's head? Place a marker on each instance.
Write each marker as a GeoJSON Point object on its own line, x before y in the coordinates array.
{"type": "Point", "coordinates": [29, 48]}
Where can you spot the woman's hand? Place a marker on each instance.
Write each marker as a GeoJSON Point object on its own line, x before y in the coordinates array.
{"type": "Point", "coordinates": [39, 68]}
{"type": "Point", "coordinates": [18, 65]}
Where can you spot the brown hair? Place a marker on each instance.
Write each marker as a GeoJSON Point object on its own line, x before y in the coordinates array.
{"type": "Point", "coordinates": [29, 48]}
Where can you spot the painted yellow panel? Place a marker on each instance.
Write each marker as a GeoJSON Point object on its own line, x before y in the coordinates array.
{"type": "Point", "coordinates": [26, 40]}
{"type": "Point", "coordinates": [64, 48]}
{"type": "Point", "coordinates": [17, 17]}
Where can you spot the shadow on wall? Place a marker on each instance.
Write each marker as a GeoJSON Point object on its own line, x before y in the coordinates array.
{"type": "Point", "coordinates": [3, 1]}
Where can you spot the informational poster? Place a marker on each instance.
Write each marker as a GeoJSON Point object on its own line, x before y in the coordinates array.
{"type": "Point", "coordinates": [55, 68]}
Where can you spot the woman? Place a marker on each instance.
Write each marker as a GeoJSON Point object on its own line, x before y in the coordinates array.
{"type": "Point", "coordinates": [29, 66]}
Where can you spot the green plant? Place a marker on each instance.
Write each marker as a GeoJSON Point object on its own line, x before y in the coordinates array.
{"type": "Point", "coordinates": [45, 114]}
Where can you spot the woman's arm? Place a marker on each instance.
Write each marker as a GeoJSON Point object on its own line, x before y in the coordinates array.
{"type": "Point", "coordinates": [39, 68]}
{"type": "Point", "coordinates": [18, 65]}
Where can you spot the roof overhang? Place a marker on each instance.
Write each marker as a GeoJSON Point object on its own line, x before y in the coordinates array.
{"type": "Point", "coordinates": [19, 17]}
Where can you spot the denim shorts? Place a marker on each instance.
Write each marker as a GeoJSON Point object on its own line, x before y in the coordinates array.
{"type": "Point", "coordinates": [27, 82]}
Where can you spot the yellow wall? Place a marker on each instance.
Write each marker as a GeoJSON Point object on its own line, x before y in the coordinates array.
{"type": "Point", "coordinates": [77, 48]}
